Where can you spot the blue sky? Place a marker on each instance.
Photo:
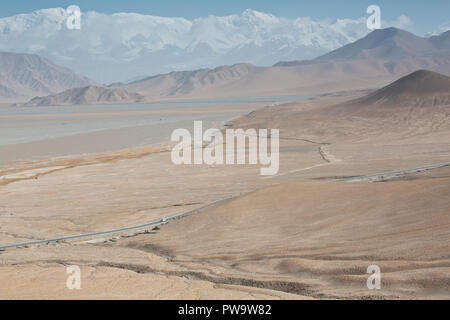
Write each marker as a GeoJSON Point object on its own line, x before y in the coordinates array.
{"type": "Point", "coordinates": [426, 15]}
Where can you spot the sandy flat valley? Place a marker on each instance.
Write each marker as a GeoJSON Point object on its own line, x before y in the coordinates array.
{"type": "Point", "coordinates": [343, 199]}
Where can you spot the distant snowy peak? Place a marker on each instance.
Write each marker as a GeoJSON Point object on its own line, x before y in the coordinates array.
{"type": "Point", "coordinates": [115, 47]}
{"type": "Point", "coordinates": [51, 19]}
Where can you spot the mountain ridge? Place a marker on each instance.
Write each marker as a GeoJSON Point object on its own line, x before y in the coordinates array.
{"type": "Point", "coordinates": [353, 65]}
{"type": "Point", "coordinates": [309, 77]}
{"type": "Point", "coordinates": [127, 45]}
{"type": "Point", "coordinates": [392, 43]}
{"type": "Point", "coordinates": [23, 76]}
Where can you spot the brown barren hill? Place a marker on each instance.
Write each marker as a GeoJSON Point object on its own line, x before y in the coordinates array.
{"type": "Point", "coordinates": [87, 95]}
{"type": "Point", "coordinates": [421, 91]}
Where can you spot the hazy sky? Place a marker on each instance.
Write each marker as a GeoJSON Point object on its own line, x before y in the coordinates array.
{"type": "Point", "coordinates": [427, 16]}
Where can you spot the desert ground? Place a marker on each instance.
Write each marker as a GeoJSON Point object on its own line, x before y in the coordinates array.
{"type": "Point", "coordinates": [342, 200]}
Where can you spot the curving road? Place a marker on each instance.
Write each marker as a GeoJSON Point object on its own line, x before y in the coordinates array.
{"type": "Point", "coordinates": [94, 234]}
{"type": "Point", "coordinates": [392, 173]}
{"type": "Point", "coordinates": [184, 214]}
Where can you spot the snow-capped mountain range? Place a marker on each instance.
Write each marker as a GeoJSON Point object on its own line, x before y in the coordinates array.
{"type": "Point", "coordinates": [121, 46]}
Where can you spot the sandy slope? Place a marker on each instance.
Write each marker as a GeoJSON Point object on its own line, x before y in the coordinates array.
{"type": "Point", "coordinates": [322, 236]}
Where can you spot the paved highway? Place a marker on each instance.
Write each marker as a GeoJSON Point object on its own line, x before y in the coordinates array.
{"type": "Point", "coordinates": [94, 234]}
{"type": "Point", "coordinates": [184, 214]}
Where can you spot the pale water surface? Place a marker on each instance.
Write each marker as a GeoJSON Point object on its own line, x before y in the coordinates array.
{"type": "Point", "coordinates": [28, 133]}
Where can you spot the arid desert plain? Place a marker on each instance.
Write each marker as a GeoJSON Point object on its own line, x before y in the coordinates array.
{"type": "Point", "coordinates": [364, 180]}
